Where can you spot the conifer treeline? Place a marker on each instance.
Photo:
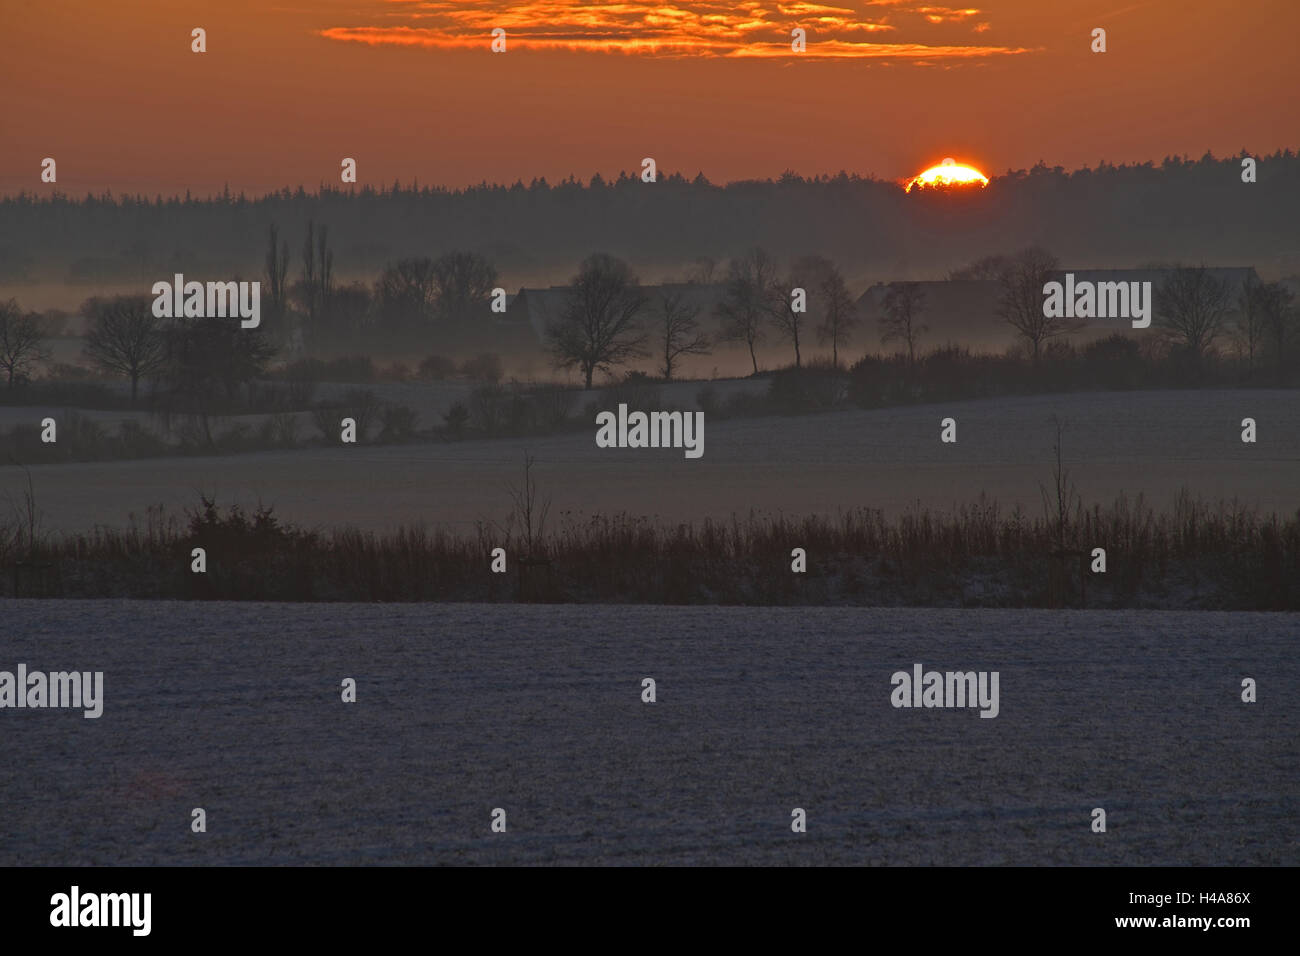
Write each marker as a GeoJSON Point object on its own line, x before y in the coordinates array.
{"type": "Point", "coordinates": [1178, 209]}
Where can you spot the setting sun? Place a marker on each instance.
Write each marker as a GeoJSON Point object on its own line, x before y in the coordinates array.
{"type": "Point", "coordinates": [948, 173]}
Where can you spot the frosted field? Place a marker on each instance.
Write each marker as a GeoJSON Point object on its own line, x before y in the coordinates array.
{"type": "Point", "coordinates": [1150, 442]}
{"type": "Point", "coordinates": [236, 708]}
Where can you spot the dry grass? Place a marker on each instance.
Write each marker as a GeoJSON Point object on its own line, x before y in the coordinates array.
{"type": "Point", "coordinates": [1199, 554]}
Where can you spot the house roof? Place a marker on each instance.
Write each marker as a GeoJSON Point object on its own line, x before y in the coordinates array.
{"type": "Point", "coordinates": [966, 310]}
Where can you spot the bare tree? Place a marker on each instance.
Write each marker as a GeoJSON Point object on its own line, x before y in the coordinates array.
{"type": "Point", "coordinates": [124, 337]}
{"type": "Point", "coordinates": [839, 314]}
{"type": "Point", "coordinates": [305, 287]}
{"type": "Point", "coordinates": [679, 332]}
{"type": "Point", "coordinates": [900, 322]}
{"type": "Point", "coordinates": [529, 514]}
{"type": "Point", "coordinates": [1248, 320]}
{"type": "Point", "coordinates": [22, 341]}
{"type": "Point", "coordinates": [753, 295]}
{"type": "Point", "coordinates": [1063, 497]}
{"type": "Point", "coordinates": [277, 271]}
{"type": "Point", "coordinates": [1021, 304]}
{"type": "Point", "coordinates": [324, 271]}
{"type": "Point", "coordinates": [1191, 305]}
{"type": "Point", "coordinates": [1279, 322]}
{"type": "Point", "coordinates": [406, 292]}
{"type": "Point", "coordinates": [208, 358]}
{"type": "Point", "coordinates": [313, 289]}
{"type": "Point", "coordinates": [462, 284]}
{"type": "Point", "coordinates": [600, 326]}
{"type": "Point", "coordinates": [809, 273]}
{"type": "Point", "coordinates": [26, 521]}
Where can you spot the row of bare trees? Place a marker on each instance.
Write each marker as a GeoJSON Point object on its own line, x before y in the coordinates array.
{"type": "Point", "coordinates": [411, 297]}
{"type": "Point", "coordinates": [1194, 309]}
{"type": "Point", "coordinates": [758, 298]}
{"type": "Point", "coordinates": [196, 364]}
{"type": "Point", "coordinates": [609, 320]}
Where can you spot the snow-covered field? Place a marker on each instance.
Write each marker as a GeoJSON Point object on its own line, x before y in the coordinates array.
{"type": "Point", "coordinates": [1152, 443]}
{"type": "Point", "coordinates": [460, 709]}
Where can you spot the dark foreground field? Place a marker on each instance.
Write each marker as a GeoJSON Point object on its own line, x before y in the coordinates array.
{"type": "Point", "coordinates": [461, 709]}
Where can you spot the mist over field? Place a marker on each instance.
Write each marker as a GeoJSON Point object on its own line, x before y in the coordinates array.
{"type": "Point", "coordinates": [1151, 443]}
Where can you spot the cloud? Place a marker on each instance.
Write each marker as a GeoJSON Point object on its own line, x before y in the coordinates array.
{"type": "Point", "coordinates": [748, 29]}
{"type": "Point", "coordinates": [944, 14]}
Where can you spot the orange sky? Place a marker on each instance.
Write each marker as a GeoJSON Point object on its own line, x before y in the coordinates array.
{"type": "Point", "coordinates": [411, 90]}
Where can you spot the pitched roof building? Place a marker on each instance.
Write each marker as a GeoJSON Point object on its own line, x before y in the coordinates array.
{"type": "Point", "coordinates": [965, 311]}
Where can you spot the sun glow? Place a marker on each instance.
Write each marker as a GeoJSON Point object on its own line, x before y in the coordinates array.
{"type": "Point", "coordinates": [949, 173]}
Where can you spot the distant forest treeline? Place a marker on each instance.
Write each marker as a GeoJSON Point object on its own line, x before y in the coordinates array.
{"type": "Point", "coordinates": [1177, 210]}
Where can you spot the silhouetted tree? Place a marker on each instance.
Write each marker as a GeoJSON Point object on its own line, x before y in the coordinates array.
{"type": "Point", "coordinates": [839, 314]}
{"type": "Point", "coordinates": [208, 359]}
{"type": "Point", "coordinates": [1248, 320]}
{"type": "Point", "coordinates": [901, 322]}
{"type": "Point", "coordinates": [462, 285]}
{"type": "Point", "coordinates": [276, 306]}
{"type": "Point", "coordinates": [406, 292]}
{"type": "Point", "coordinates": [22, 341]}
{"type": "Point", "coordinates": [1021, 303]}
{"type": "Point", "coordinates": [679, 332]}
{"type": "Point", "coordinates": [305, 287]}
{"type": "Point", "coordinates": [1191, 305]}
{"type": "Point", "coordinates": [124, 337]}
{"type": "Point", "coordinates": [484, 367]}
{"type": "Point", "coordinates": [1280, 323]}
{"type": "Point", "coordinates": [314, 288]}
{"type": "Point", "coordinates": [809, 273]}
{"type": "Point", "coordinates": [753, 295]}
{"type": "Point", "coordinates": [599, 328]}
{"type": "Point", "coordinates": [350, 307]}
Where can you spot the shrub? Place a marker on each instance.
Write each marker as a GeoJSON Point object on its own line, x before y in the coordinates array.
{"type": "Point", "coordinates": [303, 376]}
{"type": "Point", "coordinates": [456, 420]}
{"type": "Point", "coordinates": [397, 422]}
{"type": "Point", "coordinates": [65, 372]}
{"type": "Point", "coordinates": [707, 399]}
{"type": "Point", "coordinates": [350, 368]}
{"type": "Point", "coordinates": [554, 403]}
{"type": "Point", "coordinates": [363, 405]}
{"type": "Point", "coordinates": [138, 442]}
{"type": "Point", "coordinates": [484, 367]}
{"type": "Point", "coordinates": [284, 429]}
{"type": "Point", "coordinates": [326, 418]}
{"type": "Point", "coordinates": [435, 368]}
{"type": "Point", "coordinates": [816, 387]}
{"type": "Point", "coordinates": [80, 394]}
{"type": "Point", "coordinates": [270, 397]}
{"type": "Point", "coordinates": [487, 405]}
{"type": "Point", "coordinates": [637, 390]}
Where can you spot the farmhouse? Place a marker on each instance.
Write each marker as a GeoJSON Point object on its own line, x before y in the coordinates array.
{"type": "Point", "coordinates": [965, 311]}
